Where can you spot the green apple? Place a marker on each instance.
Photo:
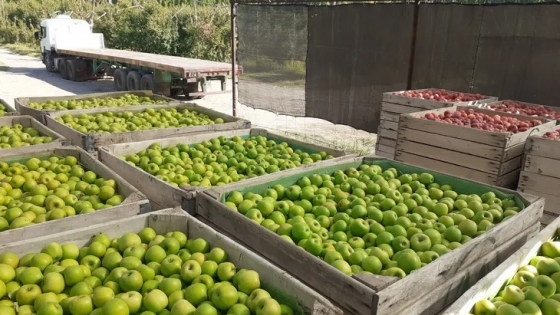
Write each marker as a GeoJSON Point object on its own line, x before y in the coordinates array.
{"type": "Point", "coordinates": [484, 307]}
{"type": "Point", "coordinates": [171, 265]}
{"type": "Point", "coordinates": [90, 261]}
{"type": "Point", "coordinates": [550, 307]}
{"type": "Point", "coordinates": [190, 270]}
{"type": "Point", "coordinates": [551, 249]}
{"type": "Point", "coordinates": [206, 309]}
{"type": "Point", "coordinates": [248, 281]}
{"type": "Point", "coordinates": [532, 294]}
{"type": "Point", "coordinates": [204, 279]}
{"type": "Point", "coordinates": [131, 281]}
{"type": "Point", "coordinates": [115, 307]}
{"type": "Point", "coordinates": [547, 266]}
{"type": "Point", "coordinates": [224, 297]}
{"type": "Point", "coordinates": [155, 254]}
{"type": "Point", "coordinates": [170, 285]}
{"type": "Point", "coordinates": [513, 295]}
{"type": "Point", "coordinates": [198, 245]}
{"type": "Point", "coordinates": [41, 261]}
{"type": "Point", "coordinates": [27, 294]}
{"type": "Point", "coordinates": [226, 271]}
{"type": "Point", "coordinates": [171, 245]}
{"type": "Point", "coordinates": [73, 275]}
{"type": "Point", "coordinates": [183, 307]}
{"type": "Point", "coordinates": [523, 279]}
{"type": "Point", "coordinates": [217, 255]}
{"type": "Point", "coordinates": [81, 288]}
{"type": "Point", "coordinates": [102, 295]}
{"type": "Point", "coordinates": [546, 285]}
{"type": "Point", "coordinates": [196, 293]}
{"type": "Point", "coordinates": [268, 306]}
{"type": "Point", "coordinates": [529, 307]}
{"type": "Point", "coordinates": [255, 297]}
{"type": "Point", "coordinates": [133, 300]}
{"type": "Point", "coordinates": [30, 275]}
{"type": "Point", "coordinates": [146, 272]}
{"type": "Point", "coordinates": [43, 299]}
{"type": "Point", "coordinates": [128, 240]}
{"type": "Point", "coordinates": [239, 309]}
{"type": "Point", "coordinates": [7, 272]}
{"type": "Point", "coordinates": [147, 235]}
{"type": "Point", "coordinates": [155, 301]}
{"type": "Point", "coordinates": [137, 251]}
{"type": "Point", "coordinates": [54, 250]}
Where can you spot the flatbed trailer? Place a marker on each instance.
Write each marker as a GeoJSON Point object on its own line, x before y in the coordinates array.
{"type": "Point", "coordinates": [69, 47]}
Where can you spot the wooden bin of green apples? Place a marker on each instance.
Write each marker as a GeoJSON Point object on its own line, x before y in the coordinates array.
{"type": "Point", "coordinates": [371, 231]}
{"type": "Point", "coordinates": [528, 282]}
{"type": "Point", "coordinates": [24, 134]}
{"type": "Point", "coordinates": [164, 262]}
{"type": "Point", "coordinates": [6, 109]}
{"type": "Point", "coordinates": [60, 189]}
{"type": "Point", "coordinates": [92, 128]}
{"type": "Point", "coordinates": [167, 192]}
{"type": "Point", "coordinates": [37, 107]}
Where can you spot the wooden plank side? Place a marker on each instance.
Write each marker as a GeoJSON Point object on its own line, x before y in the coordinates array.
{"type": "Point", "coordinates": [389, 125]}
{"type": "Point", "coordinates": [449, 156]}
{"type": "Point", "coordinates": [454, 144]}
{"type": "Point", "coordinates": [552, 202]}
{"type": "Point", "coordinates": [399, 108]}
{"type": "Point", "coordinates": [548, 218]}
{"type": "Point", "coordinates": [451, 290]}
{"type": "Point", "coordinates": [541, 183]}
{"type": "Point", "coordinates": [447, 168]}
{"type": "Point", "coordinates": [539, 146]}
{"type": "Point", "coordinates": [542, 165]}
{"type": "Point", "coordinates": [394, 97]}
{"type": "Point", "coordinates": [390, 134]}
{"type": "Point", "coordinates": [174, 219]}
{"type": "Point", "coordinates": [389, 116]}
{"type": "Point", "coordinates": [491, 284]}
{"type": "Point", "coordinates": [387, 142]}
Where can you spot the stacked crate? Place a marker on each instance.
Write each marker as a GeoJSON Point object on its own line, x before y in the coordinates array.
{"type": "Point", "coordinates": [489, 157]}
{"type": "Point", "coordinates": [541, 173]}
{"type": "Point", "coordinates": [395, 104]}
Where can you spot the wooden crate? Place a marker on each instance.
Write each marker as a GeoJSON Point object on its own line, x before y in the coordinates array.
{"type": "Point", "coordinates": [491, 284]}
{"type": "Point", "coordinates": [10, 111]}
{"type": "Point", "coordinates": [541, 173]}
{"type": "Point", "coordinates": [425, 291]}
{"type": "Point", "coordinates": [394, 105]}
{"type": "Point", "coordinates": [28, 121]}
{"type": "Point", "coordinates": [489, 105]}
{"type": "Point", "coordinates": [164, 195]}
{"type": "Point", "coordinates": [490, 157]}
{"type": "Point", "coordinates": [21, 103]}
{"type": "Point", "coordinates": [290, 290]}
{"type": "Point", "coordinates": [90, 142]}
{"type": "Point", "coordinates": [134, 203]}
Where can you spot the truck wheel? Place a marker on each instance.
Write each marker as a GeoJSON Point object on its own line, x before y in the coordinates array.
{"type": "Point", "coordinates": [191, 88]}
{"type": "Point", "coordinates": [147, 82]}
{"type": "Point", "coordinates": [62, 68]}
{"type": "Point", "coordinates": [175, 92]}
{"type": "Point", "coordinates": [120, 79]}
{"type": "Point", "coordinates": [133, 81]}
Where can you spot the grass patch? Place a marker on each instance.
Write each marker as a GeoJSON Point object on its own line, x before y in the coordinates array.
{"type": "Point", "coordinates": [24, 49]}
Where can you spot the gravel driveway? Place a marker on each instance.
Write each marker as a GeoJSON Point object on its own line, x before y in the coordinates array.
{"type": "Point", "coordinates": [26, 76]}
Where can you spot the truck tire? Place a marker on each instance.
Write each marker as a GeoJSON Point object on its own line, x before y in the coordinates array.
{"type": "Point", "coordinates": [120, 79]}
{"type": "Point", "coordinates": [133, 81]}
{"type": "Point", "coordinates": [76, 69]}
{"type": "Point", "coordinates": [147, 82]}
{"type": "Point", "coordinates": [175, 92]}
{"type": "Point", "coordinates": [191, 88]}
{"type": "Point", "coordinates": [63, 68]}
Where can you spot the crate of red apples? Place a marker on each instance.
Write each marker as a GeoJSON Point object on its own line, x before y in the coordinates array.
{"type": "Point", "coordinates": [527, 109]}
{"type": "Point", "coordinates": [541, 171]}
{"type": "Point", "coordinates": [469, 142]}
{"type": "Point", "coordinates": [411, 101]}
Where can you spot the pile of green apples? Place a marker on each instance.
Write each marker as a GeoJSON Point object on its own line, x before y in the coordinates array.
{"type": "Point", "coordinates": [18, 136]}
{"type": "Point", "coordinates": [125, 100]}
{"type": "Point", "coordinates": [534, 290]}
{"type": "Point", "coordinates": [370, 220]}
{"type": "Point", "coordinates": [220, 161]}
{"type": "Point", "coordinates": [35, 191]}
{"type": "Point", "coordinates": [148, 119]}
{"type": "Point", "coordinates": [3, 110]}
{"type": "Point", "coordinates": [142, 273]}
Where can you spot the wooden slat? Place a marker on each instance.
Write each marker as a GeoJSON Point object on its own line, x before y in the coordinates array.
{"type": "Point", "coordinates": [552, 202]}
{"type": "Point", "coordinates": [394, 97]}
{"type": "Point", "coordinates": [389, 116]}
{"type": "Point", "coordinates": [389, 125]}
{"type": "Point", "coordinates": [388, 134]}
{"type": "Point", "coordinates": [541, 183]}
{"type": "Point", "coordinates": [542, 165]}
{"type": "Point", "coordinates": [489, 286]}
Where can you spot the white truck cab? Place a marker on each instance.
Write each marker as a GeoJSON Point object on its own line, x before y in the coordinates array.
{"type": "Point", "coordinates": [64, 32]}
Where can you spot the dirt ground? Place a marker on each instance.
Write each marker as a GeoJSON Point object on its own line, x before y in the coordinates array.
{"type": "Point", "coordinates": [23, 76]}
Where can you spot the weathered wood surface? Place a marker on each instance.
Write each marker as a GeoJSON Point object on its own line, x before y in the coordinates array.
{"type": "Point", "coordinates": [176, 220]}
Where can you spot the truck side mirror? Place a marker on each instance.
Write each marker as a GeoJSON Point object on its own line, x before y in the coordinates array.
{"type": "Point", "coordinates": [37, 35]}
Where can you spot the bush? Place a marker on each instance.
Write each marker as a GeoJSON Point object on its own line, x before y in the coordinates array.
{"type": "Point", "coordinates": [139, 25]}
